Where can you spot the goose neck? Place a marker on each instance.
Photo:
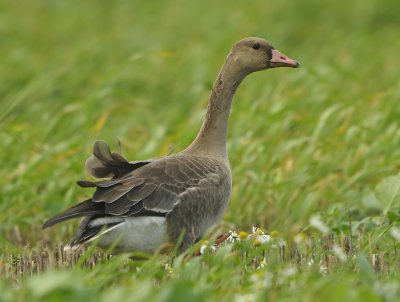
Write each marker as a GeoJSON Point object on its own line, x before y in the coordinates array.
{"type": "Point", "coordinates": [212, 135]}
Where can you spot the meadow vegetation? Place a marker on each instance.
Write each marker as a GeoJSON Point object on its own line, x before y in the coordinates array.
{"type": "Point", "coordinates": [315, 152]}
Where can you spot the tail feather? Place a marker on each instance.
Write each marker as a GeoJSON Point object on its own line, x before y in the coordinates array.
{"type": "Point", "coordinates": [91, 228]}
{"type": "Point", "coordinates": [106, 164]}
{"type": "Point", "coordinates": [85, 208]}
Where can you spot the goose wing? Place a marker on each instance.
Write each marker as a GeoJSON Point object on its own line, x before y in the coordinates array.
{"type": "Point", "coordinates": [159, 185]}
{"type": "Point", "coordinates": [151, 188]}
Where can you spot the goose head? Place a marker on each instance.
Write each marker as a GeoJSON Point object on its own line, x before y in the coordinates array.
{"type": "Point", "coordinates": [255, 54]}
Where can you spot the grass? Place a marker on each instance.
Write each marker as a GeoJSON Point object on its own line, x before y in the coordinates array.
{"type": "Point", "coordinates": [315, 152]}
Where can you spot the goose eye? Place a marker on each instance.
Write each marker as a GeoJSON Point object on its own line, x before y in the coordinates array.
{"type": "Point", "coordinates": [256, 46]}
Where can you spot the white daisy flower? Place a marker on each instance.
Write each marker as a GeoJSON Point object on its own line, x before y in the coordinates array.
{"type": "Point", "coordinates": [233, 237]}
{"type": "Point", "coordinates": [204, 247]}
{"type": "Point", "coordinates": [260, 236]}
{"type": "Point", "coordinates": [263, 238]}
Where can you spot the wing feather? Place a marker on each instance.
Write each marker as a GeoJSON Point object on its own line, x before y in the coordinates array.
{"type": "Point", "coordinates": [104, 164]}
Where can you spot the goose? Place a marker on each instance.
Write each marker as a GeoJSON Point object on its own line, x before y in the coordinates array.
{"type": "Point", "coordinates": [141, 206]}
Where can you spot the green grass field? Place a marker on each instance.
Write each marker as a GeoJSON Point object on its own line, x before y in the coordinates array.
{"type": "Point", "coordinates": [315, 152]}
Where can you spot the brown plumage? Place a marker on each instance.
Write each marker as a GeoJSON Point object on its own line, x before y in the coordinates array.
{"type": "Point", "coordinates": [185, 193]}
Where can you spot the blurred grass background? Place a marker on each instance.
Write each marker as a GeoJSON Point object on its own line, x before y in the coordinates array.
{"type": "Point", "coordinates": [301, 142]}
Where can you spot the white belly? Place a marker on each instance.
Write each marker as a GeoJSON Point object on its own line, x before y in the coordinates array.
{"type": "Point", "coordinates": [135, 234]}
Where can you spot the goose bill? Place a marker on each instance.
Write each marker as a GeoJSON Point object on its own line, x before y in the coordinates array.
{"type": "Point", "coordinates": [278, 59]}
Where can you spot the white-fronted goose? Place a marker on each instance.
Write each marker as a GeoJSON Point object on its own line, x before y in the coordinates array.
{"type": "Point", "coordinates": [147, 204]}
